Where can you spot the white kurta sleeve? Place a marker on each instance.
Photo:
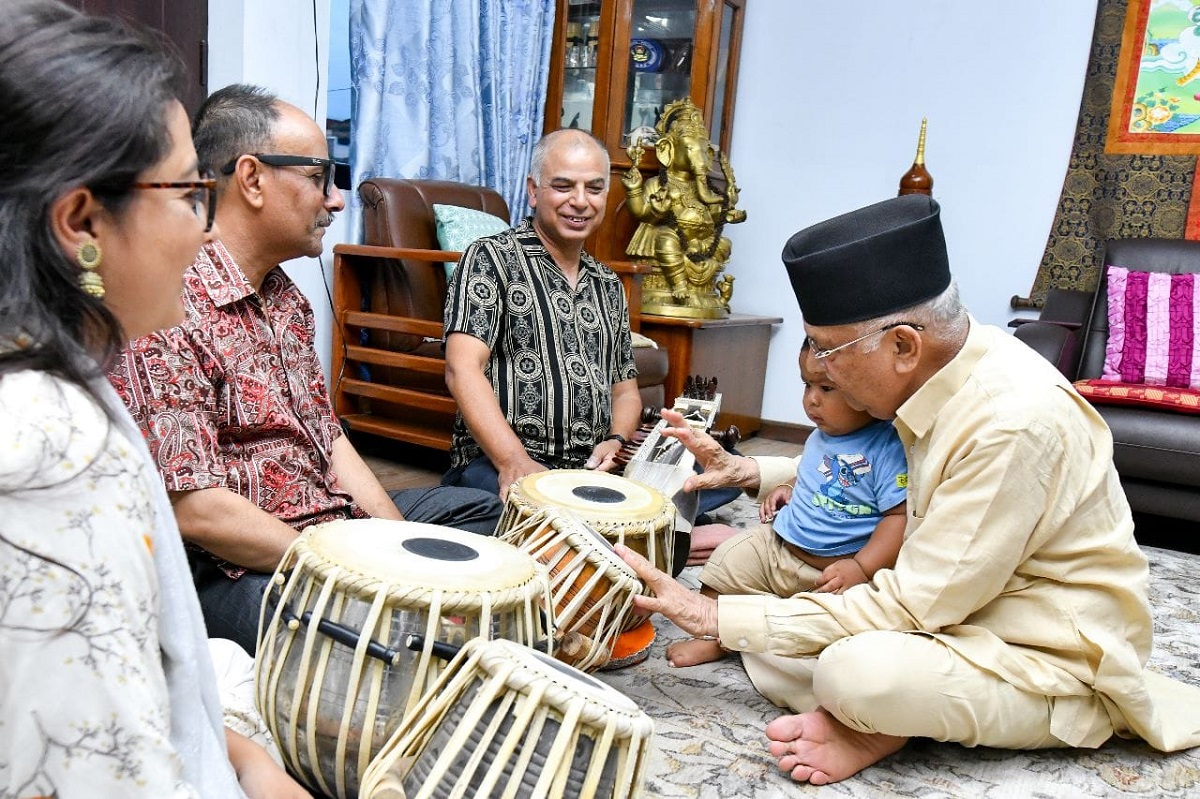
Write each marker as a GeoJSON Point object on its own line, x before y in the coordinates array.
{"type": "Point", "coordinates": [773, 471]}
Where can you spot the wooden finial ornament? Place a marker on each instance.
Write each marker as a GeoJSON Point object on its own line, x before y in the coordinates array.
{"type": "Point", "coordinates": [917, 179]}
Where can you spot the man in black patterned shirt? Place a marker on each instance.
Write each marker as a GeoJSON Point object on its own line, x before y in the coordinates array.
{"type": "Point", "coordinates": [538, 352]}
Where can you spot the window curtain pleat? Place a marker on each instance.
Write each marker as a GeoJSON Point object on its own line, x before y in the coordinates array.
{"type": "Point", "coordinates": [449, 90]}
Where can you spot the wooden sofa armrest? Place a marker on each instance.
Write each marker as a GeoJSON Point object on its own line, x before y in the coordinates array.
{"type": "Point", "coordinates": [396, 253]}
{"type": "Point", "coordinates": [352, 266]}
{"type": "Point", "coordinates": [348, 285]}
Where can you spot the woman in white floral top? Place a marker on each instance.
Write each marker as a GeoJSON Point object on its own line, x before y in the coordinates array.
{"type": "Point", "coordinates": [106, 684]}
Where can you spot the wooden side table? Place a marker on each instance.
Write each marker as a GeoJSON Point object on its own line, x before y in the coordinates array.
{"type": "Point", "coordinates": [733, 350]}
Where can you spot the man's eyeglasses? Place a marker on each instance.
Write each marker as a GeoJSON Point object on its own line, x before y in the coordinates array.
{"type": "Point", "coordinates": [821, 354]}
{"type": "Point", "coordinates": [203, 195]}
{"type": "Point", "coordinates": [326, 164]}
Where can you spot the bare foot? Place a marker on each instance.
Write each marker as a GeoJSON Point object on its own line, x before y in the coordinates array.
{"type": "Point", "coordinates": [693, 652]}
{"type": "Point", "coordinates": [817, 748]}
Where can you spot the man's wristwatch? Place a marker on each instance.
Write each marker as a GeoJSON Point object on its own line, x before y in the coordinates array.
{"type": "Point", "coordinates": [616, 437]}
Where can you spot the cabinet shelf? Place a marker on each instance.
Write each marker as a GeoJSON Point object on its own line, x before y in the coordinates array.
{"type": "Point", "coordinates": [697, 44]}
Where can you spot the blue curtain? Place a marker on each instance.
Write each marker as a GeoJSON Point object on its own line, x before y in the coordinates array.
{"type": "Point", "coordinates": [450, 90]}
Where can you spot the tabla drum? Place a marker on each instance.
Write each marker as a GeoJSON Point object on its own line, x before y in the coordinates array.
{"type": "Point", "coordinates": [507, 721]}
{"type": "Point", "coordinates": [623, 511]}
{"type": "Point", "coordinates": [591, 588]}
{"type": "Point", "coordinates": [333, 677]}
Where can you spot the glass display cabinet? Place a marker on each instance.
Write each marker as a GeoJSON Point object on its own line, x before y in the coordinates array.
{"type": "Point", "coordinates": [615, 64]}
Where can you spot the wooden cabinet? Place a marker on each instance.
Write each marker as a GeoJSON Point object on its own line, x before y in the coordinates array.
{"type": "Point", "coordinates": [733, 350]}
{"type": "Point", "coordinates": [185, 24]}
{"type": "Point", "coordinates": [616, 64]}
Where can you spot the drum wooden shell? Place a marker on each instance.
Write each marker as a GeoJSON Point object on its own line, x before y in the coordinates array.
{"type": "Point", "coordinates": [623, 511]}
{"type": "Point", "coordinates": [591, 587]}
{"type": "Point", "coordinates": [330, 704]}
{"type": "Point", "coordinates": [506, 721]}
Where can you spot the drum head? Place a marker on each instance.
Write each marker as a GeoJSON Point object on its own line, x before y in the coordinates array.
{"type": "Point", "coordinates": [425, 555]}
{"type": "Point", "coordinates": [499, 652]}
{"type": "Point", "coordinates": [596, 496]}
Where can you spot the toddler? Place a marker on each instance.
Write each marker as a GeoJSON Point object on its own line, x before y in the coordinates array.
{"type": "Point", "coordinates": [833, 526]}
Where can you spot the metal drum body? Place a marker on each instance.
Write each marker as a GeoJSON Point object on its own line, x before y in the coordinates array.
{"type": "Point", "coordinates": [333, 677]}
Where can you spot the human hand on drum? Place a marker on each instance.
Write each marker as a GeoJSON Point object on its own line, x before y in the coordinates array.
{"type": "Point", "coordinates": [721, 468]}
{"type": "Point", "coordinates": [604, 456]}
{"type": "Point", "coordinates": [510, 472]}
{"type": "Point", "coordinates": [694, 613]}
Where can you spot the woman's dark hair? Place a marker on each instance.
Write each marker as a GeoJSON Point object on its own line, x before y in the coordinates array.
{"type": "Point", "coordinates": [83, 102]}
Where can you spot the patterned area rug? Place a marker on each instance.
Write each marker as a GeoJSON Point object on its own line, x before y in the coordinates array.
{"type": "Point", "coordinates": [709, 722]}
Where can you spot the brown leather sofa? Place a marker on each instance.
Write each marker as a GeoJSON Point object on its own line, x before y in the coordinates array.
{"type": "Point", "coordinates": [1156, 452]}
{"type": "Point", "coordinates": [389, 293]}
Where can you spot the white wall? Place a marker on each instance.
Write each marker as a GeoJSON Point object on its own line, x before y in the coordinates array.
{"type": "Point", "coordinates": [272, 44]}
{"type": "Point", "coordinates": [829, 105]}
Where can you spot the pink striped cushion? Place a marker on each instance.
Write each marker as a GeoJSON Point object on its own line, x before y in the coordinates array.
{"type": "Point", "coordinates": [1152, 319]}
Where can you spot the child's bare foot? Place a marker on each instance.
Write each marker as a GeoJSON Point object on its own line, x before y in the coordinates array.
{"type": "Point", "coordinates": [693, 652]}
{"type": "Point", "coordinates": [817, 748]}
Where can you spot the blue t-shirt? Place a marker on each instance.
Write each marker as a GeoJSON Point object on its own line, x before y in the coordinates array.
{"type": "Point", "coordinates": [843, 485]}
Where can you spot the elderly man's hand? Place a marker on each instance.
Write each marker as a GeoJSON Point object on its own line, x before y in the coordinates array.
{"type": "Point", "coordinates": [692, 612]}
{"type": "Point", "coordinates": [721, 468]}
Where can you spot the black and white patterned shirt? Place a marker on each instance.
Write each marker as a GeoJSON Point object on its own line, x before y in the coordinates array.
{"type": "Point", "coordinates": [556, 352]}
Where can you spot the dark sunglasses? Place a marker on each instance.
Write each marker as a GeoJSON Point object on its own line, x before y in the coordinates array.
{"type": "Point", "coordinates": [203, 195]}
{"type": "Point", "coordinates": [326, 164]}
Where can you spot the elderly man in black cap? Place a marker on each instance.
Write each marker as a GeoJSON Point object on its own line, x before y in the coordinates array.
{"type": "Point", "coordinates": [1017, 613]}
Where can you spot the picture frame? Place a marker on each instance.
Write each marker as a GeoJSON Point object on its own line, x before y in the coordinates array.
{"type": "Point", "coordinates": [1156, 93]}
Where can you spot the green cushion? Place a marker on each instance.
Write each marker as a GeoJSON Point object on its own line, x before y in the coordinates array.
{"type": "Point", "coordinates": [457, 227]}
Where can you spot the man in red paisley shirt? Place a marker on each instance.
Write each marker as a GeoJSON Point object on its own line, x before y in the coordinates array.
{"type": "Point", "coordinates": [233, 401]}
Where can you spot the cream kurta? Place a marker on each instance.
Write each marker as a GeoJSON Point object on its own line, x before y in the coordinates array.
{"type": "Point", "coordinates": [1018, 554]}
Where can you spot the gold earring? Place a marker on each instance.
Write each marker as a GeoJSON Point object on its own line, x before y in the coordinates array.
{"type": "Point", "coordinates": [88, 256]}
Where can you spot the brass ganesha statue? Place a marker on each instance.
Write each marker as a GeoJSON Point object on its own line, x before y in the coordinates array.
{"type": "Point", "coordinates": [681, 213]}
